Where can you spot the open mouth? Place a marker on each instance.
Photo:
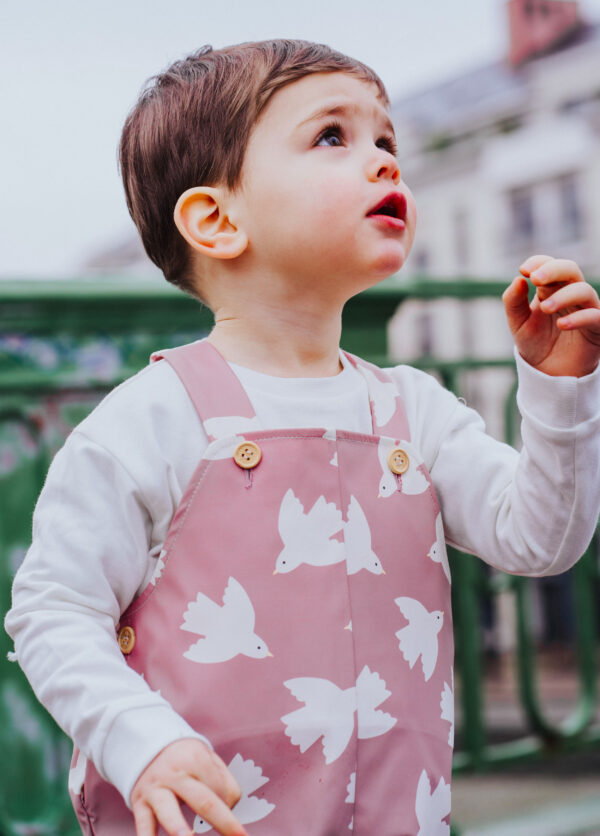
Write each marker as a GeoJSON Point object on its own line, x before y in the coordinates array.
{"type": "Point", "coordinates": [392, 206]}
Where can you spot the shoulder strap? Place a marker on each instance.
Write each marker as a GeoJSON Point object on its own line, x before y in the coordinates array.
{"type": "Point", "coordinates": [210, 382]}
{"type": "Point", "coordinates": [217, 393]}
{"type": "Point", "coordinates": [387, 407]}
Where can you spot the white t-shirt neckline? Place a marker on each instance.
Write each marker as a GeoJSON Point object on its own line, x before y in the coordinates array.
{"type": "Point", "coordinates": [340, 401]}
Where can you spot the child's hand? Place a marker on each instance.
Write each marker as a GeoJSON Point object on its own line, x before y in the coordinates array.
{"type": "Point", "coordinates": [559, 333]}
{"type": "Point", "coordinates": [189, 771]}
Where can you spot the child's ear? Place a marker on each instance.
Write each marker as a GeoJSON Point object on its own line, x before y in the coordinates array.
{"type": "Point", "coordinates": [201, 217]}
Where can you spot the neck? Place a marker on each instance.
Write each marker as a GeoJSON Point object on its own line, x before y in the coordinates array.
{"type": "Point", "coordinates": [281, 337]}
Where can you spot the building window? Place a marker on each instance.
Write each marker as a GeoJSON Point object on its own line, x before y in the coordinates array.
{"type": "Point", "coordinates": [461, 240]}
{"type": "Point", "coordinates": [522, 223]}
{"type": "Point", "coordinates": [425, 333]}
{"type": "Point", "coordinates": [571, 218]}
{"type": "Point", "coordinates": [421, 262]}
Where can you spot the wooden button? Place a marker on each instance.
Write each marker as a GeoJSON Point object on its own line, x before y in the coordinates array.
{"type": "Point", "coordinates": [398, 461]}
{"type": "Point", "coordinates": [126, 640]}
{"type": "Point", "coordinates": [247, 455]}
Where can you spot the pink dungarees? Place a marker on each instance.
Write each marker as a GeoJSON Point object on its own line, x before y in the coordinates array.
{"type": "Point", "coordinates": [299, 618]}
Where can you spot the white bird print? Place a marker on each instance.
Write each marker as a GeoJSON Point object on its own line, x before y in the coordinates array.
{"type": "Point", "coordinates": [229, 425]}
{"type": "Point", "coordinates": [388, 484]}
{"type": "Point", "coordinates": [331, 436]}
{"type": "Point", "coordinates": [351, 789]}
{"type": "Point", "coordinates": [350, 798]}
{"type": "Point", "coordinates": [383, 396]}
{"type": "Point", "coordinates": [432, 807]}
{"type": "Point", "coordinates": [420, 636]}
{"type": "Point", "coordinates": [223, 448]}
{"type": "Point", "coordinates": [447, 706]}
{"type": "Point", "coordinates": [328, 712]}
{"type": "Point", "coordinates": [371, 692]}
{"type": "Point", "coordinates": [357, 538]}
{"type": "Point", "coordinates": [77, 774]}
{"type": "Point", "coordinates": [248, 809]}
{"type": "Point", "coordinates": [306, 536]}
{"type": "Point", "coordinates": [227, 631]}
{"type": "Point", "coordinates": [412, 482]}
{"type": "Point", "coordinates": [159, 568]}
{"type": "Point", "coordinates": [227, 432]}
{"type": "Point", "coordinates": [438, 551]}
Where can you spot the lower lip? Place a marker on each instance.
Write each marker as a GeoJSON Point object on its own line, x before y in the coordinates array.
{"type": "Point", "coordinates": [389, 221]}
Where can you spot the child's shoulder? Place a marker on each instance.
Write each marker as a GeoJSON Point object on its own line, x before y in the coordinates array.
{"type": "Point", "coordinates": [413, 383]}
{"type": "Point", "coordinates": [142, 408]}
{"type": "Point", "coordinates": [432, 411]}
{"type": "Point", "coordinates": [152, 387]}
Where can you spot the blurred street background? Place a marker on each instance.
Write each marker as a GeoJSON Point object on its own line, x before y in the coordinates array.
{"type": "Point", "coordinates": [496, 105]}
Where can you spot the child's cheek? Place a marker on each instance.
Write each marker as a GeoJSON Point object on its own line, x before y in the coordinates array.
{"type": "Point", "coordinates": [411, 207]}
{"type": "Point", "coordinates": [337, 205]}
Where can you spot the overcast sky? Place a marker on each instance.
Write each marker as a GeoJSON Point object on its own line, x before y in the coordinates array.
{"type": "Point", "coordinates": [71, 69]}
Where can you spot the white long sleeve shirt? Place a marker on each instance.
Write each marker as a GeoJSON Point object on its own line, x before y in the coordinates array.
{"type": "Point", "coordinates": [112, 490]}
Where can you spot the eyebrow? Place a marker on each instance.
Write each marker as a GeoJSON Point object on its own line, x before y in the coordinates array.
{"type": "Point", "coordinates": [345, 110]}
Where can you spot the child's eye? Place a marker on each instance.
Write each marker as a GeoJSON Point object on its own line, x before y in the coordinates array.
{"type": "Point", "coordinates": [331, 136]}
{"type": "Point", "coordinates": [388, 143]}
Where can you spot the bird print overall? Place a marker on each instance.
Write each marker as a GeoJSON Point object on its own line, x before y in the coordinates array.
{"type": "Point", "coordinates": [299, 617]}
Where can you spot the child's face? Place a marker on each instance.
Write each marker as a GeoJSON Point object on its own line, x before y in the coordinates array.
{"type": "Point", "coordinates": [319, 161]}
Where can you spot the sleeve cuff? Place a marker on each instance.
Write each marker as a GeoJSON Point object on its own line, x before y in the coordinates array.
{"type": "Point", "coordinates": [135, 739]}
{"type": "Point", "coordinates": [558, 402]}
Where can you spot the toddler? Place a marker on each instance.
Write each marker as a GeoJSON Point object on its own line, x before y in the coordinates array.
{"type": "Point", "coordinates": [237, 598]}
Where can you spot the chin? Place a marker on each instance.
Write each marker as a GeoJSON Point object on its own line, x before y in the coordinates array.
{"type": "Point", "coordinates": [388, 265]}
{"type": "Point", "coordinates": [390, 258]}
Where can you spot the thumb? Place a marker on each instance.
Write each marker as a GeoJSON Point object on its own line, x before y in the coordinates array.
{"type": "Point", "coordinates": [516, 303]}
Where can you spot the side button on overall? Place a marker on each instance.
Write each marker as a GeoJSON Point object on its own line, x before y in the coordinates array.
{"type": "Point", "coordinates": [398, 461]}
{"type": "Point", "coordinates": [247, 455]}
{"type": "Point", "coordinates": [126, 640]}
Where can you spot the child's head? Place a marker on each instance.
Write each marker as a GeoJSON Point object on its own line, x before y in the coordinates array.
{"type": "Point", "coordinates": [191, 127]}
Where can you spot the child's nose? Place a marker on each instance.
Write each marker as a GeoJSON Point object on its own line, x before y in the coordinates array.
{"type": "Point", "coordinates": [385, 166]}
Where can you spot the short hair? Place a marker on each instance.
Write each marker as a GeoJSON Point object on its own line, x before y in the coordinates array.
{"type": "Point", "coordinates": [191, 126]}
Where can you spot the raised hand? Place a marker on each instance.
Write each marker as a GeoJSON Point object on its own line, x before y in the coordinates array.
{"type": "Point", "coordinates": [559, 331]}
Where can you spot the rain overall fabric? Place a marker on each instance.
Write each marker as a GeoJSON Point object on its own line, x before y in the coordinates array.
{"type": "Point", "coordinates": [299, 617]}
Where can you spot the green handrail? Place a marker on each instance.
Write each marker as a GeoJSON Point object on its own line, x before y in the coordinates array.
{"type": "Point", "coordinates": [583, 713]}
{"type": "Point", "coordinates": [139, 317]}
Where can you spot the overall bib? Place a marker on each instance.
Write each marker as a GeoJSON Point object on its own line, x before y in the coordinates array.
{"type": "Point", "coordinates": [299, 617]}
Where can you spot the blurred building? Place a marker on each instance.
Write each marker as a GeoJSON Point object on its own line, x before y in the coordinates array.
{"type": "Point", "coordinates": [504, 162]}
{"type": "Point", "coordinates": [125, 257]}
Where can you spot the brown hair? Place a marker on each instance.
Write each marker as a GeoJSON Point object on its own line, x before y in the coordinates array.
{"type": "Point", "coordinates": [191, 125]}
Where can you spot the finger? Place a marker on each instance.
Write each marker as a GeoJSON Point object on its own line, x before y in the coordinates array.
{"type": "Point", "coordinates": [166, 808]}
{"type": "Point", "coordinates": [589, 318]}
{"type": "Point", "coordinates": [577, 295]}
{"type": "Point", "coordinates": [210, 808]}
{"type": "Point", "coordinates": [556, 270]}
{"type": "Point", "coordinates": [225, 785]}
{"type": "Point", "coordinates": [516, 303]}
{"type": "Point", "coordinates": [532, 263]}
{"type": "Point", "coordinates": [145, 823]}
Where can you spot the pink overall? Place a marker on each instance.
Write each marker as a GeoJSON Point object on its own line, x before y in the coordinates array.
{"type": "Point", "coordinates": [300, 619]}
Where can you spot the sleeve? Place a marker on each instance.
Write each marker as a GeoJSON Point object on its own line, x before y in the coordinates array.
{"type": "Point", "coordinates": [534, 512]}
{"type": "Point", "coordinates": [88, 559]}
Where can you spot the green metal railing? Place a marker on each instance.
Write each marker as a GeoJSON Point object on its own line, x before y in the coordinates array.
{"type": "Point", "coordinates": [54, 340]}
